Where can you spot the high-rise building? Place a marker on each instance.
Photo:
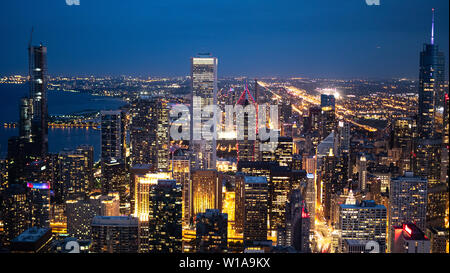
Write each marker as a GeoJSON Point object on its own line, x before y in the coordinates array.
{"type": "Point", "coordinates": [38, 96]}
{"type": "Point", "coordinates": [408, 202]}
{"type": "Point", "coordinates": [282, 153]}
{"type": "Point", "coordinates": [431, 89]}
{"type": "Point", "coordinates": [247, 149]}
{"type": "Point", "coordinates": [180, 166]}
{"type": "Point", "coordinates": [165, 217]}
{"type": "Point", "coordinates": [428, 165]}
{"type": "Point", "coordinates": [16, 211]}
{"type": "Point", "coordinates": [143, 184]}
{"type": "Point", "coordinates": [79, 216]}
{"type": "Point", "coordinates": [75, 175]}
{"type": "Point", "coordinates": [39, 198]}
{"type": "Point", "coordinates": [363, 221]}
{"type": "Point", "coordinates": [252, 207]}
{"type": "Point", "coordinates": [211, 231]}
{"type": "Point", "coordinates": [204, 93]}
{"type": "Point", "coordinates": [297, 222]}
{"type": "Point", "coordinates": [116, 178]}
{"type": "Point", "coordinates": [149, 132]}
{"type": "Point", "coordinates": [114, 234]}
{"type": "Point", "coordinates": [113, 135]}
{"type": "Point", "coordinates": [206, 186]}
{"type": "Point", "coordinates": [362, 173]}
{"type": "Point", "coordinates": [328, 114]}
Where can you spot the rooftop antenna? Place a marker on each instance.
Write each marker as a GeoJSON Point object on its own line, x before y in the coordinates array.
{"type": "Point", "coordinates": [432, 27]}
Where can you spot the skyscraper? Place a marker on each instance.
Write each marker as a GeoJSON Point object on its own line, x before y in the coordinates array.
{"type": "Point", "coordinates": [328, 114]}
{"type": "Point", "coordinates": [39, 196]}
{"type": "Point", "coordinates": [431, 89]}
{"type": "Point", "coordinates": [364, 221]}
{"type": "Point", "coordinates": [38, 96]}
{"type": "Point", "coordinates": [206, 191]}
{"type": "Point", "coordinates": [165, 212]}
{"type": "Point", "coordinates": [204, 93]}
{"type": "Point", "coordinates": [408, 202]}
{"type": "Point", "coordinates": [211, 231]}
{"type": "Point", "coordinates": [113, 135]}
{"type": "Point", "coordinates": [297, 222]}
{"type": "Point", "coordinates": [252, 207]}
{"type": "Point", "coordinates": [149, 132]}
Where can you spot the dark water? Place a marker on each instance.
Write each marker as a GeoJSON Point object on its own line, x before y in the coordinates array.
{"type": "Point", "coordinates": [58, 103]}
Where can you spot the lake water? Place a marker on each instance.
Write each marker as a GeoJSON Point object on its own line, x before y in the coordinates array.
{"type": "Point", "coordinates": [59, 103]}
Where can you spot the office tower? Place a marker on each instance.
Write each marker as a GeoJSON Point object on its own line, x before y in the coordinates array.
{"type": "Point", "coordinates": [403, 135]}
{"type": "Point", "coordinates": [109, 204]}
{"type": "Point", "coordinates": [149, 132]}
{"type": "Point", "coordinates": [252, 207]}
{"type": "Point", "coordinates": [181, 173]}
{"type": "Point", "coordinates": [328, 114]}
{"type": "Point", "coordinates": [309, 193]}
{"type": "Point", "coordinates": [408, 202]}
{"type": "Point", "coordinates": [39, 198]}
{"type": "Point", "coordinates": [409, 238]}
{"type": "Point", "coordinates": [165, 217]}
{"type": "Point", "coordinates": [342, 138]}
{"type": "Point", "coordinates": [247, 149]}
{"type": "Point", "coordinates": [281, 182]}
{"type": "Point", "coordinates": [88, 152]}
{"type": "Point", "coordinates": [297, 223]}
{"type": "Point", "coordinates": [206, 186]}
{"type": "Point", "coordinates": [33, 240]}
{"type": "Point", "coordinates": [143, 184]}
{"type": "Point", "coordinates": [19, 155]}
{"type": "Point", "coordinates": [137, 172]}
{"type": "Point", "coordinates": [431, 89]}
{"type": "Point", "coordinates": [116, 178]}
{"type": "Point", "coordinates": [439, 239]}
{"type": "Point", "coordinates": [38, 96]}
{"type": "Point", "coordinates": [428, 165]}
{"type": "Point", "coordinates": [113, 135]}
{"type": "Point", "coordinates": [75, 175]}
{"type": "Point", "coordinates": [282, 153]}
{"type": "Point", "coordinates": [330, 183]}
{"type": "Point", "coordinates": [79, 216]}
{"type": "Point", "coordinates": [313, 127]}
{"type": "Point", "coordinates": [362, 173]}
{"type": "Point", "coordinates": [364, 221]}
{"type": "Point", "coordinates": [16, 211]}
{"type": "Point", "coordinates": [204, 93]}
{"type": "Point", "coordinates": [114, 234]}
{"type": "Point", "coordinates": [211, 231]}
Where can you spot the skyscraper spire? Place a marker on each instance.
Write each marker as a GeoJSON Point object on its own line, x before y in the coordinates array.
{"type": "Point", "coordinates": [432, 27]}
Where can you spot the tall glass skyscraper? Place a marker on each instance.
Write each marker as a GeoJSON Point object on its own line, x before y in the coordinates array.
{"type": "Point", "coordinates": [431, 89]}
{"type": "Point", "coordinates": [204, 92]}
{"type": "Point", "coordinates": [38, 94]}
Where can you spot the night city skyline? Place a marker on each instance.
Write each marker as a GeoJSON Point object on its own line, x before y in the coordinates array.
{"type": "Point", "coordinates": [319, 39]}
{"type": "Point", "coordinates": [236, 130]}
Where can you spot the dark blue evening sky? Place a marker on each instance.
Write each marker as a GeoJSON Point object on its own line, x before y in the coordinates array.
{"type": "Point", "coordinates": [315, 38]}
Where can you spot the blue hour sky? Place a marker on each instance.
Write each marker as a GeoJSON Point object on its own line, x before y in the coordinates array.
{"type": "Point", "coordinates": [315, 38]}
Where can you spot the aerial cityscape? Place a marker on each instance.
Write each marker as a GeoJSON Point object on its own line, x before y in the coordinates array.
{"type": "Point", "coordinates": [205, 162]}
